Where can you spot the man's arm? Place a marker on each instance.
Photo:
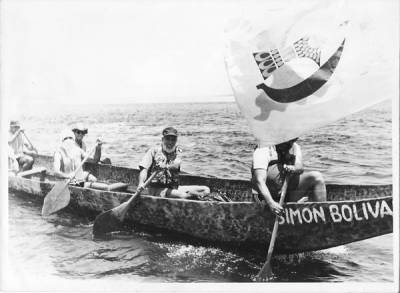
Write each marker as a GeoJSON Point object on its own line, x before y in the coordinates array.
{"type": "Point", "coordinates": [142, 177]}
{"type": "Point", "coordinates": [14, 136]}
{"type": "Point", "coordinates": [298, 163]}
{"type": "Point", "coordinates": [28, 149]}
{"type": "Point", "coordinates": [97, 152]}
{"type": "Point", "coordinates": [297, 167]}
{"type": "Point", "coordinates": [261, 187]}
{"type": "Point", "coordinates": [144, 166]}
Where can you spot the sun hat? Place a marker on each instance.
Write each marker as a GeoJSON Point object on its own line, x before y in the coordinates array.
{"type": "Point", "coordinates": [80, 127]}
{"type": "Point", "coordinates": [170, 131]}
{"type": "Point", "coordinates": [14, 123]}
{"type": "Point", "coordinates": [67, 133]}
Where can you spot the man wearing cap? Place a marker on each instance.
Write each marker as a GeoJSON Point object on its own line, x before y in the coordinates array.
{"type": "Point", "coordinates": [271, 165]}
{"type": "Point", "coordinates": [166, 159]}
{"type": "Point", "coordinates": [80, 131]}
{"type": "Point", "coordinates": [23, 151]}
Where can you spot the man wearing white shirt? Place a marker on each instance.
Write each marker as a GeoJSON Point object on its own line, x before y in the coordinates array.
{"type": "Point", "coordinates": [272, 164]}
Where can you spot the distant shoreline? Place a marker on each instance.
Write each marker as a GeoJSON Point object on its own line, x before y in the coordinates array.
{"type": "Point", "coordinates": [229, 100]}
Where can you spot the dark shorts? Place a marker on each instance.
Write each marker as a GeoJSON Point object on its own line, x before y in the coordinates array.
{"type": "Point", "coordinates": [78, 183]}
{"type": "Point", "coordinates": [23, 157]}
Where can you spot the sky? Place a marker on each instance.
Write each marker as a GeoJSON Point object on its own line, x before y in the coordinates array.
{"type": "Point", "coordinates": [116, 51]}
{"type": "Point", "coordinates": [85, 52]}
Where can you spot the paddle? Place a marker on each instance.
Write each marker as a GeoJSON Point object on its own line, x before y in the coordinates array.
{"type": "Point", "coordinates": [266, 270]}
{"type": "Point", "coordinates": [28, 140]}
{"type": "Point", "coordinates": [59, 195]}
{"type": "Point", "coordinates": [111, 220]}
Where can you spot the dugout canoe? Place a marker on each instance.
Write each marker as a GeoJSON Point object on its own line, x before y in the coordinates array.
{"type": "Point", "coordinates": [352, 212]}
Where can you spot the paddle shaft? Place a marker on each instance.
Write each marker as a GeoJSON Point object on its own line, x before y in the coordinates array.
{"type": "Point", "coordinates": [139, 190]}
{"type": "Point", "coordinates": [267, 264]}
{"type": "Point", "coordinates": [27, 138]}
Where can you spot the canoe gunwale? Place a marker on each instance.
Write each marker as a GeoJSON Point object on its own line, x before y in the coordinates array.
{"type": "Point", "coordinates": [237, 223]}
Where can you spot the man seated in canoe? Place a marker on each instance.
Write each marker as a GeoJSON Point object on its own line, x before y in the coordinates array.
{"type": "Point", "coordinates": [272, 164]}
{"type": "Point", "coordinates": [23, 151]}
{"type": "Point", "coordinates": [80, 131]}
{"type": "Point", "coordinates": [166, 158]}
{"type": "Point", "coordinates": [69, 156]}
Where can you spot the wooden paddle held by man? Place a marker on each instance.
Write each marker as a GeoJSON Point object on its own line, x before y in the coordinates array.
{"type": "Point", "coordinates": [68, 163]}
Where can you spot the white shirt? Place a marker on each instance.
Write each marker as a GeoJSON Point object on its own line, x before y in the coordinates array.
{"type": "Point", "coordinates": [262, 156]}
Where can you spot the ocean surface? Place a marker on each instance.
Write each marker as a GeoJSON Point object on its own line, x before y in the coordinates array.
{"type": "Point", "coordinates": [216, 141]}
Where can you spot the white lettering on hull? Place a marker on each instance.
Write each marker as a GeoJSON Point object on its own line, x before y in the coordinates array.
{"type": "Point", "coordinates": [336, 213]}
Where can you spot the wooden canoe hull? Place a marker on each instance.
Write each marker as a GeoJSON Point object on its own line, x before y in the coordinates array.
{"type": "Point", "coordinates": [355, 212]}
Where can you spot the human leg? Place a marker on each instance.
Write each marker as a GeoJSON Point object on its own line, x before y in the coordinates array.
{"type": "Point", "coordinates": [96, 185]}
{"type": "Point", "coordinates": [308, 181]}
{"type": "Point", "coordinates": [25, 162]}
{"type": "Point", "coordinates": [89, 177]}
{"type": "Point", "coordinates": [194, 190]}
{"type": "Point", "coordinates": [91, 182]}
{"type": "Point", "coordinates": [183, 192]}
{"type": "Point", "coordinates": [156, 191]}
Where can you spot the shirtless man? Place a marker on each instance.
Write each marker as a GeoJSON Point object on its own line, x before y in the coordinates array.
{"type": "Point", "coordinates": [166, 158]}
{"type": "Point", "coordinates": [68, 157]}
{"type": "Point", "coordinates": [270, 167]}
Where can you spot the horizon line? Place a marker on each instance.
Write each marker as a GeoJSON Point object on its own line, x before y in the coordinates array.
{"type": "Point", "coordinates": [232, 100]}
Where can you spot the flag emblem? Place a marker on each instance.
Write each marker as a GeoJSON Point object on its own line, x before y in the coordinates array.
{"type": "Point", "coordinates": [268, 62]}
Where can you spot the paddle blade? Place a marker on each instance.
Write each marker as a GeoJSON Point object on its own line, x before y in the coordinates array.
{"type": "Point", "coordinates": [265, 273]}
{"type": "Point", "coordinates": [57, 199]}
{"type": "Point", "coordinates": [110, 221]}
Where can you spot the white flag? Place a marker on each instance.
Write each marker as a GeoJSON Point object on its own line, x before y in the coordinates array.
{"type": "Point", "coordinates": [302, 71]}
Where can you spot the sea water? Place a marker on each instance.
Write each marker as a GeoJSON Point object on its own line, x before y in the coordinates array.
{"type": "Point", "coordinates": [217, 141]}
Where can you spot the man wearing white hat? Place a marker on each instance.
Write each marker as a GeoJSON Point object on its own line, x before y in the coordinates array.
{"type": "Point", "coordinates": [80, 131]}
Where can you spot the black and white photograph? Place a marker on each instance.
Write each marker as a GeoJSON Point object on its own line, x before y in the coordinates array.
{"type": "Point", "coordinates": [199, 146]}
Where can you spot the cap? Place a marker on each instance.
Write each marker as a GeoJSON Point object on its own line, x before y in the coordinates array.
{"type": "Point", "coordinates": [170, 131]}
{"type": "Point", "coordinates": [80, 127]}
{"type": "Point", "coordinates": [14, 123]}
{"type": "Point", "coordinates": [67, 133]}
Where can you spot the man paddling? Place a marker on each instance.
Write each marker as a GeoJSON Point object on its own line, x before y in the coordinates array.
{"type": "Point", "coordinates": [80, 131]}
{"type": "Point", "coordinates": [69, 156]}
{"type": "Point", "coordinates": [272, 164]}
{"type": "Point", "coordinates": [166, 158]}
{"type": "Point", "coordinates": [23, 151]}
